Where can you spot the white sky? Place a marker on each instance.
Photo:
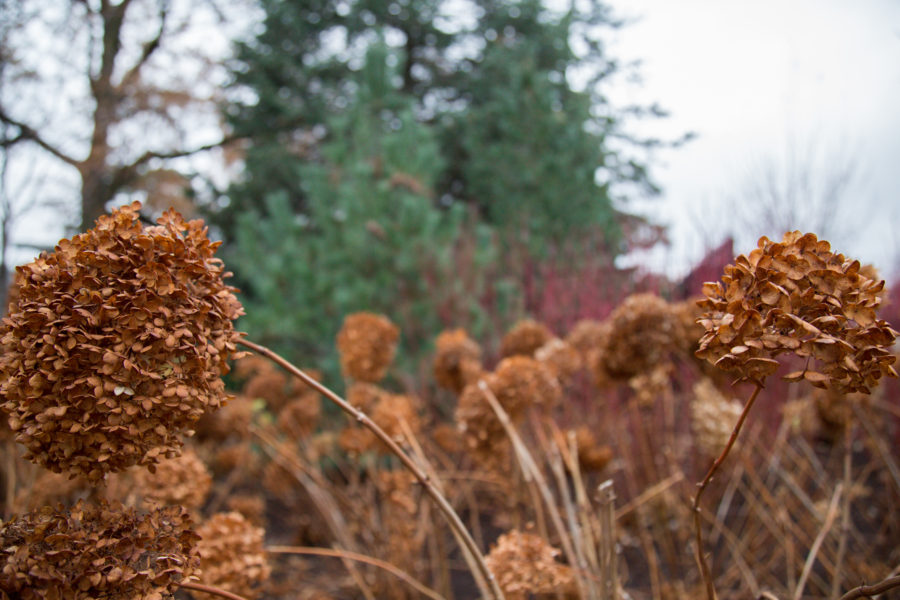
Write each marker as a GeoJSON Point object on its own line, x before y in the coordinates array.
{"type": "Point", "coordinates": [750, 78]}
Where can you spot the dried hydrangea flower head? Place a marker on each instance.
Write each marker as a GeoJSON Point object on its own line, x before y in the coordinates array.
{"type": "Point", "coordinates": [232, 555]}
{"type": "Point", "coordinates": [183, 481]}
{"type": "Point", "coordinates": [116, 344]}
{"type": "Point", "coordinates": [103, 551]}
{"type": "Point", "coordinates": [367, 343]}
{"type": "Point", "coordinates": [524, 338]}
{"type": "Point", "coordinates": [457, 360]}
{"type": "Point", "coordinates": [525, 564]}
{"type": "Point", "coordinates": [712, 417]}
{"type": "Point", "coordinates": [641, 333]}
{"type": "Point", "coordinates": [798, 297]}
{"type": "Point", "coordinates": [561, 358]}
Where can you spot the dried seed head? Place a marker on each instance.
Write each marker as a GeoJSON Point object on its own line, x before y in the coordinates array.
{"type": "Point", "coordinates": [592, 456]}
{"type": "Point", "coordinates": [457, 361]}
{"type": "Point", "coordinates": [524, 338]}
{"type": "Point", "coordinates": [481, 430]}
{"type": "Point", "coordinates": [653, 385]}
{"type": "Point", "coordinates": [104, 551]}
{"type": "Point", "coordinates": [183, 480]}
{"type": "Point", "coordinates": [394, 410]}
{"type": "Point", "coordinates": [116, 344]}
{"type": "Point", "coordinates": [525, 564]}
{"type": "Point", "coordinates": [232, 555]}
{"type": "Point", "coordinates": [561, 358]}
{"type": "Point", "coordinates": [364, 396]}
{"type": "Point", "coordinates": [713, 417]}
{"type": "Point", "coordinates": [520, 382]}
{"type": "Point", "coordinates": [642, 332]}
{"type": "Point", "coordinates": [798, 297]}
{"type": "Point", "coordinates": [367, 343]}
{"type": "Point", "coordinates": [299, 418]}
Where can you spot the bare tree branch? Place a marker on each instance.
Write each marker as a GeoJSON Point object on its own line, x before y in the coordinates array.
{"type": "Point", "coordinates": [26, 133]}
{"type": "Point", "coordinates": [148, 49]}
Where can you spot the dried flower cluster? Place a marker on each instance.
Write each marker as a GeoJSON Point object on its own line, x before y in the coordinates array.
{"type": "Point", "coordinates": [232, 555]}
{"type": "Point", "coordinates": [394, 412]}
{"type": "Point", "coordinates": [798, 297]}
{"type": "Point", "coordinates": [592, 456]}
{"type": "Point", "coordinates": [457, 361]}
{"type": "Point", "coordinates": [116, 344]}
{"type": "Point", "coordinates": [712, 417]}
{"type": "Point", "coordinates": [641, 332]}
{"type": "Point", "coordinates": [299, 417]}
{"type": "Point", "coordinates": [367, 343]}
{"type": "Point", "coordinates": [524, 338]}
{"type": "Point", "coordinates": [525, 564]}
{"type": "Point", "coordinates": [183, 481]}
{"type": "Point", "coordinates": [89, 552]}
{"type": "Point", "coordinates": [561, 358]}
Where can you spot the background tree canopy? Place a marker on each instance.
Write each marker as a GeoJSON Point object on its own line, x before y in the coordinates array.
{"type": "Point", "coordinates": [398, 148]}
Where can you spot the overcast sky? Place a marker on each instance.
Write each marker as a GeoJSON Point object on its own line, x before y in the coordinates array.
{"type": "Point", "coordinates": [753, 79]}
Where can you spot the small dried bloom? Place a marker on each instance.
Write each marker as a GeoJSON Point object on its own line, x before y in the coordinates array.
{"type": "Point", "coordinates": [592, 456]}
{"type": "Point", "coordinates": [49, 489]}
{"type": "Point", "coordinates": [641, 333]}
{"type": "Point", "coordinates": [299, 418]}
{"type": "Point", "coordinates": [481, 430]}
{"type": "Point", "coordinates": [713, 417]}
{"type": "Point", "coordinates": [798, 297]}
{"type": "Point", "coordinates": [116, 344]}
{"type": "Point", "coordinates": [392, 411]}
{"type": "Point", "coordinates": [251, 506]}
{"type": "Point", "coordinates": [520, 382]}
{"type": "Point", "coordinates": [356, 440]}
{"type": "Point", "coordinates": [524, 338]}
{"type": "Point", "coordinates": [526, 564]}
{"type": "Point", "coordinates": [232, 420]}
{"type": "Point", "coordinates": [364, 396]}
{"type": "Point", "coordinates": [104, 551]}
{"type": "Point", "coordinates": [587, 335]}
{"type": "Point", "coordinates": [232, 555]}
{"type": "Point", "coordinates": [183, 480]}
{"type": "Point", "coordinates": [653, 385]}
{"type": "Point", "coordinates": [268, 384]}
{"type": "Point", "coordinates": [367, 343]}
{"type": "Point", "coordinates": [457, 361]}
{"type": "Point", "coordinates": [561, 358]}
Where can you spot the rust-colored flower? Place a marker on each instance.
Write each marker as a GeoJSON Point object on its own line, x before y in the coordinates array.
{"type": "Point", "coordinates": [183, 480]}
{"type": "Point", "coordinates": [457, 361]}
{"type": "Point", "coordinates": [525, 338]}
{"type": "Point", "coordinates": [116, 344]}
{"type": "Point", "coordinates": [525, 564]}
{"type": "Point", "coordinates": [561, 358]}
{"type": "Point", "coordinates": [232, 555]}
{"type": "Point", "coordinates": [520, 382]}
{"type": "Point", "coordinates": [104, 551]}
{"type": "Point", "coordinates": [392, 412]}
{"type": "Point", "coordinates": [367, 343]}
{"type": "Point", "coordinates": [798, 297]}
{"type": "Point", "coordinates": [592, 456]}
{"type": "Point", "coordinates": [641, 333]}
{"type": "Point", "coordinates": [364, 396]}
{"type": "Point", "coordinates": [481, 430]}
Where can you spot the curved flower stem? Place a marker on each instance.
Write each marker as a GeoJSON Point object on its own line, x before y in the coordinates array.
{"type": "Point", "coordinates": [442, 503]}
{"type": "Point", "coordinates": [214, 591]}
{"type": "Point", "coordinates": [868, 591]}
{"type": "Point", "coordinates": [701, 487]}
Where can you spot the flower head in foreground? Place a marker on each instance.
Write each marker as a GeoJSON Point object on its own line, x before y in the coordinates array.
{"type": "Point", "coordinates": [116, 344]}
{"type": "Point", "coordinates": [798, 297]}
{"type": "Point", "coordinates": [525, 564]}
{"type": "Point", "coordinates": [232, 555]}
{"type": "Point", "coordinates": [104, 551]}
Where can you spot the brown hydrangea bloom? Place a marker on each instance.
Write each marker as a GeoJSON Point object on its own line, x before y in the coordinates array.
{"type": "Point", "coordinates": [641, 334]}
{"type": "Point", "coordinates": [232, 555]}
{"type": "Point", "coordinates": [299, 418]}
{"type": "Point", "coordinates": [391, 411]}
{"type": "Point", "coordinates": [447, 437]}
{"type": "Point", "coordinates": [367, 343]}
{"type": "Point", "coordinates": [398, 510]}
{"type": "Point", "coordinates": [356, 440]}
{"type": "Point", "coordinates": [520, 382]}
{"type": "Point", "coordinates": [88, 552]}
{"type": "Point", "coordinates": [712, 417]}
{"type": "Point", "coordinates": [524, 338]}
{"type": "Point", "coordinates": [798, 297]}
{"type": "Point", "coordinates": [364, 396]}
{"type": "Point", "coordinates": [592, 456]}
{"type": "Point", "coordinates": [116, 344]}
{"type": "Point", "coordinates": [525, 564]}
{"type": "Point", "coordinates": [183, 481]}
{"type": "Point", "coordinates": [653, 385]}
{"type": "Point", "coordinates": [561, 358]}
{"type": "Point", "coordinates": [251, 506]}
{"type": "Point", "coordinates": [49, 489]}
{"type": "Point", "coordinates": [481, 430]}
{"type": "Point", "coordinates": [267, 384]}
{"type": "Point", "coordinates": [231, 421]}
{"type": "Point", "coordinates": [457, 361]}
{"type": "Point", "coordinates": [587, 335]}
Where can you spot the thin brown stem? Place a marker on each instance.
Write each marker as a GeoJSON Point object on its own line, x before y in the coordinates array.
{"type": "Point", "coordinates": [701, 487]}
{"type": "Point", "coordinates": [867, 591]}
{"type": "Point", "coordinates": [442, 503]}
{"type": "Point", "coordinates": [214, 591]}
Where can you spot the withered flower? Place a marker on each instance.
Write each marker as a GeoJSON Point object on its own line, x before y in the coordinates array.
{"type": "Point", "coordinates": [232, 555]}
{"type": "Point", "coordinates": [712, 417]}
{"type": "Point", "coordinates": [798, 297]}
{"type": "Point", "coordinates": [183, 480]}
{"type": "Point", "coordinates": [561, 358]}
{"type": "Point", "coordinates": [457, 361]}
{"type": "Point", "coordinates": [367, 343]}
{"type": "Point", "coordinates": [641, 333]}
{"type": "Point", "coordinates": [116, 344]}
{"type": "Point", "coordinates": [526, 564]}
{"type": "Point", "coordinates": [524, 338]}
{"type": "Point", "coordinates": [520, 382]}
{"type": "Point", "coordinates": [364, 396]}
{"type": "Point", "coordinates": [394, 410]}
{"type": "Point", "coordinates": [104, 551]}
{"type": "Point", "coordinates": [592, 455]}
{"type": "Point", "coordinates": [299, 417]}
